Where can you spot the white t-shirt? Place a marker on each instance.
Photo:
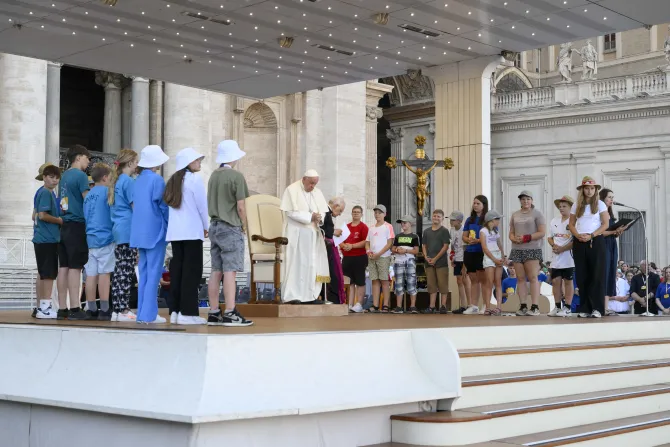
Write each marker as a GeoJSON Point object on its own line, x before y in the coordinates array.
{"type": "Point", "coordinates": [379, 236]}
{"type": "Point", "coordinates": [589, 223]}
{"type": "Point", "coordinates": [457, 243]}
{"type": "Point", "coordinates": [562, 237]}
{"type": "Point", "coordinates": [491, 239]}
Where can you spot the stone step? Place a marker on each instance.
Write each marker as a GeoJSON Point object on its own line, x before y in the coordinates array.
{"type": "Point", "coordinates": [486, 423]}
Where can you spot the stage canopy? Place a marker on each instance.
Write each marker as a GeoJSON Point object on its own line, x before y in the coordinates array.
{"type": "Point", "coordinates": [262, 48]}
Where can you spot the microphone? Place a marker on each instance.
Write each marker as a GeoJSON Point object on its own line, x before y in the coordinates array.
{"type": "Point", "coordinates": [620, 204]}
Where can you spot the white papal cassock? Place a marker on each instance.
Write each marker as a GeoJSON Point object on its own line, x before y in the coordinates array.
{"type": "Point", "coordinates": [306, 259]}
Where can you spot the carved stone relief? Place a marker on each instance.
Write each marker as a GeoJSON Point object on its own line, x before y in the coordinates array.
{"type": "Point", "coordinates": [410, 88]}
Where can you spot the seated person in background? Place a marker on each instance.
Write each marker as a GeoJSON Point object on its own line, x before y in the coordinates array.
{"type": "Point", "coordinates": [165, 280]}
{"type": "Point", "coordinates": [509, 283]}
{"type": "Point", "coordinates": [640, 290]}
{"type": "Point", "coordinates": [619, 303]}
{"type": "Point", "coordinates": [663, 294]}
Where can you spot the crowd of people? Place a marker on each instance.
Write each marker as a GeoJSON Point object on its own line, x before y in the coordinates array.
{"type": "Point", "coordinates": [584, 264]}
{"type": "Point", "coordinates": [117, 231]}
{"type": "Point", "coordinates": [125, 220]}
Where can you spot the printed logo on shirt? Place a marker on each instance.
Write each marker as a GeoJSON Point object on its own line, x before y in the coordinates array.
{"type": "Point", "coordinates": [405, 239]}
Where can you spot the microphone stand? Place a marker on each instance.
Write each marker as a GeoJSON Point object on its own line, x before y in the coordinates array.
{"type": "Point", "coordinates": [646, 262]}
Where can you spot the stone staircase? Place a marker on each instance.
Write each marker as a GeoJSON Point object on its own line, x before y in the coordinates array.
{"type": "Point", "coordinates": [604, 394]}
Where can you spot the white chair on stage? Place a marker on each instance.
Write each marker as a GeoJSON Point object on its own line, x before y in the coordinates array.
{"type": "Point", "coordinates": [265, 222]}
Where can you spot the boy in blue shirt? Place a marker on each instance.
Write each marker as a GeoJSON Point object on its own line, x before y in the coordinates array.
{"type": "Point", "coordinates": [100, 240]}
{"type": "Point", "coordinates": [46, 237]}
{"type": "Point", "coordinates": [72, 251]}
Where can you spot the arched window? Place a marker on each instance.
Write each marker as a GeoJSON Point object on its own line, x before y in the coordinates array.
{"type": "Point", "coordinates": [511, 79]}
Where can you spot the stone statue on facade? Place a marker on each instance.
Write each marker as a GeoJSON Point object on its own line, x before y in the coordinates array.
{"type": "Point", "coordinates": [564, 61]}
{"type": "Point", "coordinates": [589, 61]}
{"type": "Point", "coordinates": [666, 47]}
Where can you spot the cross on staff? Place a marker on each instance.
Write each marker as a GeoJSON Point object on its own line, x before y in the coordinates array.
{"type": "Point", "coordinates": [421, 168]}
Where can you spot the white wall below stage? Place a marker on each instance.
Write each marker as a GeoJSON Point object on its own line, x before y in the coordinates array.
{"type": "Point", "coordinates": [624, 145]}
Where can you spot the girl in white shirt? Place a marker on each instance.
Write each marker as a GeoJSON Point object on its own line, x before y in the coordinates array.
{"type": "Point", "coordinates": [589, 219]}
{"type": "Point", "coordinates": [187, 229]}
{"type": "Point", "coordinates": [562, 265]}
{"type": "Point", "coordinates": [489, 238]}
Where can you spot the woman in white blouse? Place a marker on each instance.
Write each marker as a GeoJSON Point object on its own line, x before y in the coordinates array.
{"type": "Point", "coordinates": [589, 219]}
{"type": "Point", "coordinates": [187, 229]}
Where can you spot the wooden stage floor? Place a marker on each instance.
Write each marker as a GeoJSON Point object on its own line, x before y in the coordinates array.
{"type": "Point", "coordinates": [352, 322]}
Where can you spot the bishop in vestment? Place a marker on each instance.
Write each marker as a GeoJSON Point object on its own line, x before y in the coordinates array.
{"type": "Point", "coordinates": [305, 259]}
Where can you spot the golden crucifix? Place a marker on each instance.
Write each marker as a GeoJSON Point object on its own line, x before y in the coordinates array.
{"type": "Point", "coordinates": [421, 167]}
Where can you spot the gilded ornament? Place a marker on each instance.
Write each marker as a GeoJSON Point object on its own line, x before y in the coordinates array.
{"type": "Point", "coordinates": [391, 163]}
{"type": "Point", "coordinates": [448, 163]}
{"type": "Point", "coordinates": [420, 140]}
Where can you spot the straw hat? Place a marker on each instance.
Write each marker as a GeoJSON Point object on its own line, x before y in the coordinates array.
{"type": "Point", "coordinates": [152, 156]}
{"type": "Point", "coordinates": [565, 198]}
{"type": "Point", "coordinates": [40, 171]}
{"type": "Point", "coordinates": [228, 151]}
{"type": "Point", "coordinates": [187, 156]}
{"type": "Point", "coordinates": [588, 181]}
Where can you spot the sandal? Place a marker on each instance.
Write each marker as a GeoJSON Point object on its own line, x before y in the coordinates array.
{"type": "Point", "coordinates": [385, 309]}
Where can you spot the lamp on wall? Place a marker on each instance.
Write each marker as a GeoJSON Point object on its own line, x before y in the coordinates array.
{"type": "Point", "coordinates": [109, 2]}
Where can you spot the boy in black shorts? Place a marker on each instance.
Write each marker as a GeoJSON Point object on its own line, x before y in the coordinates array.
{"type": "Point", "coordinates": [456, 257]}
{"type": "Point", "coordinates": [355, 260]}
{"type": "Point", "coordinates": [73, 249]}
{"type": "Point", "coordinates": [46, 237]}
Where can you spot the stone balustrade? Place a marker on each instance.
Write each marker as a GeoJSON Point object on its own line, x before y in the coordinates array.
{"type": "Point", "coordinates": [583, 92]}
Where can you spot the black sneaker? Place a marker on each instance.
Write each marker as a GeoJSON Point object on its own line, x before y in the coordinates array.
{"type": "Point", "coordinates": [91, 315]}
{"type": "Point", "coordinates": [76, 314]}
{"type": "Point", "coordinates": [428, 310]}
{"type": "Point", "coordinates": [34, 314]}
{"type": "Point", "coordinates": [397, 310]}
{"type": "Point", "coordinates": [232, 318]}
{"type": "Point", "coordinates": [443, 310]}
{"type": "Point", "coordinates": [413, 310]}
{"type": "Point", "coordinates": [105, 316]}
{"type": "Point", "coordinates": [61, 314]}
{"type": "Point", "coordinates": [460, 311]}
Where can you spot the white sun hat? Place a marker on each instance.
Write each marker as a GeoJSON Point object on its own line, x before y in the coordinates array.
{"type": "Point", "coordinates": [152, 156]}
{"type": "Point", "coordinates": [187, 156]}
{"type": "Point", "coordinates": [228, 151]}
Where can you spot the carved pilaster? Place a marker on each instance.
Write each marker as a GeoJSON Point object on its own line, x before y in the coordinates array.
{"type": "Point", "coordinates": [295, 109]}
{"type": "Point", "coordinates": [398, 190]}
{"type": "Point", "coordinates": [113, 84]}
{"type": "Point", "coordinates": [374, 91]}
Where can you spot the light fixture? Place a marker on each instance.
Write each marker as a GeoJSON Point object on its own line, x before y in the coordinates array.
{"type": "Point", "coordinates": [469, 13]}
{"type": "Point", "coordinates": [211, 61]}
{"type": "Point", "coordinates": [159, 51]}
{"type": "Point", "coordinates": [586, 10]}
{"type": "Point", "coordinates": [479, 35]}
{"type": "Point", "coordinates": [469, 48]}
{"type": "Point", "coordinates": [132, 44]}
{"type": "Point", "coordinates": [411, 14]}
{"type": "Point", "coordinates": [527, 11]}
{"type": "Point", "coordinates": [532, 34]}
{"type": "Point", "coordinates": [95, 26]}
{"type": "Point", "coordinates": [604, 18]}
{"type": "Point", "coordinates": [548, 18]}
{"type": "Point", "coordinates": [436, 21]}
{"type": "Point", "coordinates": [567, 26]}
{"type": "Point", "coordinates": [251, 13]}
{"type": "Point", "coordinates": [299, 80]}
{"type": "Point", "coordinates": [513, 26]}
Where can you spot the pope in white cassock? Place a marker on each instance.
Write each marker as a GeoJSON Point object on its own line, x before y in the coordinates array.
{"type": "Point", "coordinates": [306, 259]}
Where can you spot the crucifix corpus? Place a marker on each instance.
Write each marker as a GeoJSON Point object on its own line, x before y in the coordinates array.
{"type": "Point", "coordinates": [421, 167]}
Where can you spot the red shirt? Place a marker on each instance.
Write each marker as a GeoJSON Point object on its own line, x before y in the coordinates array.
{"type": "Point", "coordinates": [359, 233]}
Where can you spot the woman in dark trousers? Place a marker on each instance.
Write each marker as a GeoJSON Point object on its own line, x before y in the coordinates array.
{"type": "Point", "coordinates": [588, 221]}
{"type": "Point", "coordinates": [612, 253]}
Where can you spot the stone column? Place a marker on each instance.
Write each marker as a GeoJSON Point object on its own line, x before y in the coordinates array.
{"type": "Point", "coordinates": [374, 91]}
{"type": "Point", "coordinates": [665, 198]}
{"type": "Point", "coordinates": [396, 134]}
{"type": "Point", "coordinates": [139, 128]}
{"type": "Point", "coordinates": [156, 113]}
{"type": "Point", "coordinates": [113, 84]}
{"type": "Point", "coordinates": [237, 103]}
{"type": "Point", "coordinates": [23, 112]}
{"type": "Point", "coordinates": [463, 131]}
{"type": "Point", "coordinates": [53, 113]}
{"type": "Point", "coordinates": [296, 159]}
{"type": "Point", "coordinates": [126, 115]}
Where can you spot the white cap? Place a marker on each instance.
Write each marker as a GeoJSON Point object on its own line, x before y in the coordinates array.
{"type": "Point", "coordinates": [311, 173]}
{"type": "Point", "coordinates": [152, 156]}
{"type": "Point", "coordinates": [228, 151]}
{"type": "Point", "coordinates": [187, 156]}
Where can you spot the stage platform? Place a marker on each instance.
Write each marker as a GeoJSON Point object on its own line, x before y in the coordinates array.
{"type": "Point", "coordinates": [298, 382]}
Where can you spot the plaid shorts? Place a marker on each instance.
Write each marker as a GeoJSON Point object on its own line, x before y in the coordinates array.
{"type": "Point", "coordinates": [405, 277]}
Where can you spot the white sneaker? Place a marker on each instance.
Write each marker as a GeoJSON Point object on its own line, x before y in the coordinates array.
{"type": "Point", "coordinates": [189, 319]}
{"type": "Point", "coordinates": [158, 320]}
{"type": "Point", "coordinates": [556, 312]}
{"type": "Point", "coordinates": [595, 314]}
{"type": "Point", "coordinates": [357, 308]}
{"type": "Point", "coordinates": [46, 314]}
{"type": "Point", "coordinates": [583, 315]}
{"type": "Point", "coordinates": [173, 317]}
{"type": "Point", "coordinates": [562, 313]}
{"type": "Point", "coordinates": [129, 317]}
{"type": "Point", "coordinates": [471, 310]}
